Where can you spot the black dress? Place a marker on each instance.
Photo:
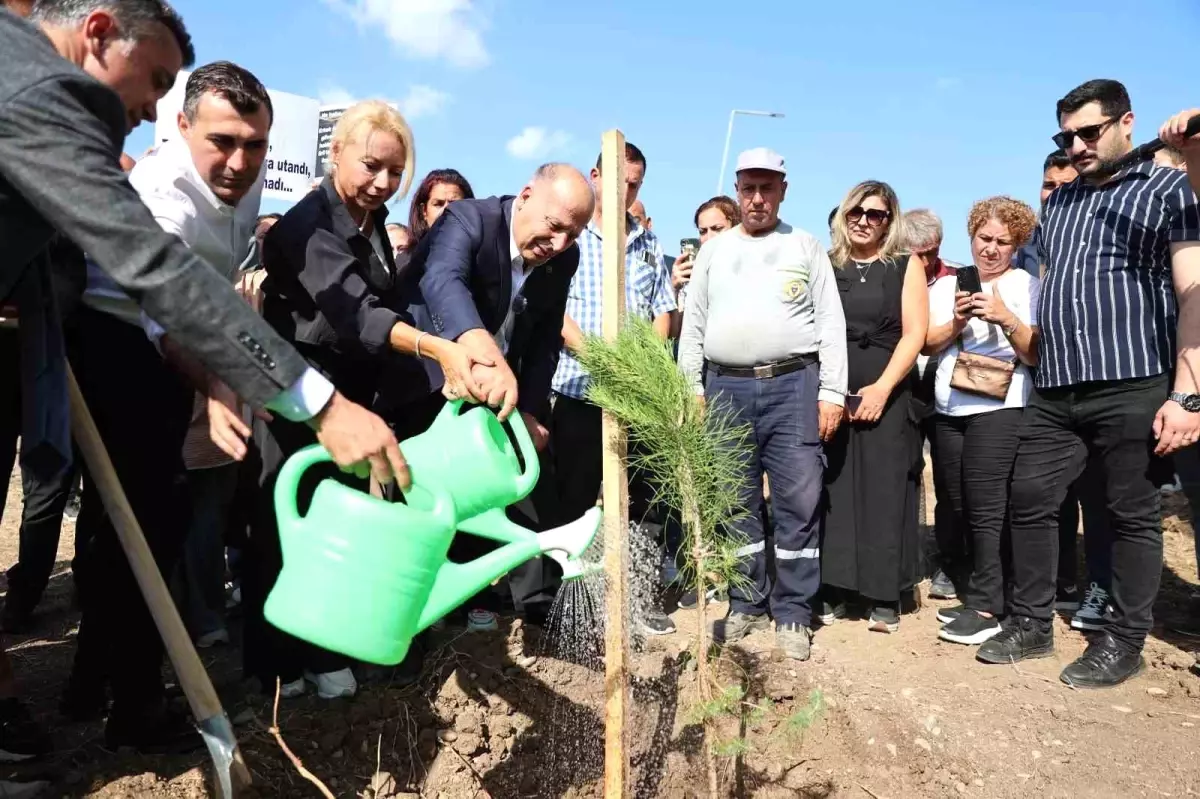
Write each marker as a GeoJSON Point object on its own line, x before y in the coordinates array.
{"type": "Point", "coordinates": [871, 543]}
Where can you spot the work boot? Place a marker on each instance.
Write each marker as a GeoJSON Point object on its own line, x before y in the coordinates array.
{"type": "Point", "coordinates": [154, 730]}
{"type": "Point", "coordinates": [795, 640]}
{"type": "Point", "coordinates": [737, 626]}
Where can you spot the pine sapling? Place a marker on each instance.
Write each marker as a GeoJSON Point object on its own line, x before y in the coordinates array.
{"type": "Point", "coordinates": [692, 458]}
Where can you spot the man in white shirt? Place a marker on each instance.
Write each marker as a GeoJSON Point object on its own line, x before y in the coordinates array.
{"type": "Point", "coordinates": [764, 336]}
{"type": "Point", "coordinates": [205, 189]}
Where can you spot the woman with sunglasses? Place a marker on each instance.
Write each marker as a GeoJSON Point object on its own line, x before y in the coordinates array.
{"type": "Point", "coordinates": [870, 552]}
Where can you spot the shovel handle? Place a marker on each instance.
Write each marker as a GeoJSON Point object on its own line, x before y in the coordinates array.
{"type": "Point", "coordinates": [198, 688]}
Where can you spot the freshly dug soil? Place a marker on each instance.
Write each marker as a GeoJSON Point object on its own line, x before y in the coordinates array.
{"type": "Point", "coordinates": [498, 714]}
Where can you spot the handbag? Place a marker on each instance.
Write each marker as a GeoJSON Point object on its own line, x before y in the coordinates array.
{"type": "Point", "coordinates": [982, 375]}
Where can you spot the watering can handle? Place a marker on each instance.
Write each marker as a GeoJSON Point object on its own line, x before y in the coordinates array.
{"type": "Point", "coordinates": [528, 479]}
{"type": "Point", "coordinates": [288, 481]}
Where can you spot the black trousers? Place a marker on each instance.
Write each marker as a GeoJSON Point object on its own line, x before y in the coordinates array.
{"type": "Point", "coordinates": [952, 552]}
{"type": "Point", "coordinates": [1086, 498]}
{"type": "Point", "coordinates": [975, 458]}
{"type": "Point", "coordinates": [1111, 423]}
{"type": "Point", "coordinates": [577, 443]}
{"type": "Point", "coordinates": [44, 499]}
{"type": "Point", "coordinates": [142, 409]}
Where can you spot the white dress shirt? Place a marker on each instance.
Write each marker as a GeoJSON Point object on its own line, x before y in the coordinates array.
{"type": "Point", "coordinates": [184, 205]}
{"type": "Point", "coordinates": [519, 275]}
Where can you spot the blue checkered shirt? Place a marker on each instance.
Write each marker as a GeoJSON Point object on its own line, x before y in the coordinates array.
{"type": "Point", "coordinates": [648, 294]}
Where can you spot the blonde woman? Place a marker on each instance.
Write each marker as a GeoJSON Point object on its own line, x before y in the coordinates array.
{"type": "Point", "coordinates": [332, 290]}
{"type": "Point", "coordinates": [869, 555]}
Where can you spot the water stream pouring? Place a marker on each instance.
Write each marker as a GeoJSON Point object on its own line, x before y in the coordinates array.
{"type": "Point", "coordinates": [362, 576]}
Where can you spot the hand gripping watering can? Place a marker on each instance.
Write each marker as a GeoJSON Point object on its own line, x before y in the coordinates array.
{"type": "Point", "coordinates": [362, 576]}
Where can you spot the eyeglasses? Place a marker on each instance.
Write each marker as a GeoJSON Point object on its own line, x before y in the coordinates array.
{"type": "Point", "coordinates": [1088, 133]}
{"type": "Point", "coordinates": [874, 216]}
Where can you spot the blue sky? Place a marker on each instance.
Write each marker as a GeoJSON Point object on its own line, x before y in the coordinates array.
{"type": "Point", "coordinates": [948, 100]}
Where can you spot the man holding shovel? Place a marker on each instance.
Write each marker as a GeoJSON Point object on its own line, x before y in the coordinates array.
{"type": "Point", "coordinates": [75, 83]}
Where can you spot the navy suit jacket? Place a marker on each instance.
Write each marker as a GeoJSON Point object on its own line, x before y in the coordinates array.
{"type": "Point", "coordinates": [461, 278]}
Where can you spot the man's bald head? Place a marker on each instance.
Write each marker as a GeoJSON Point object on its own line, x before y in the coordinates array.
{"type": "Point", "coordinates": [638, 212]}
{"type": "Point", "coordinates": [551, 211]}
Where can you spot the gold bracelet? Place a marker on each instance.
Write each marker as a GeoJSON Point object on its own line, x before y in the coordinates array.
{"type": "Point", "coordinates": [420, 336]}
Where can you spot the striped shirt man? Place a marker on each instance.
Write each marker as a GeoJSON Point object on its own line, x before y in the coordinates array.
{"type": "Point", "coordinates": [1108, 302]}
{"type": "Point", "coordinates": [648, 294]}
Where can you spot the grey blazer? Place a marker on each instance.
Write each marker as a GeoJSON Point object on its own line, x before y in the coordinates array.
{"type": "Point", "coordinates": [61, 133]}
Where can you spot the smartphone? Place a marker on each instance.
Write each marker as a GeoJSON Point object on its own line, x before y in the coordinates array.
{"type": "Point", "coordinates": [968, 279]}
{"type": "Point", "coordinates": [852, 403]}
{"type": "Point", "coordinates": [689, 247]}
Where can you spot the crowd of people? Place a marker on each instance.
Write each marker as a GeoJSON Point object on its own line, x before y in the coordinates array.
{"type": "Point", "coordinates": [1054, 371]}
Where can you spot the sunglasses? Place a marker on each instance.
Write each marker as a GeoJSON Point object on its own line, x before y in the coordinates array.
{"type": "Point", "coordinates": [1088, 133]}
{"type": "Point", "coordinates": [874, 216]}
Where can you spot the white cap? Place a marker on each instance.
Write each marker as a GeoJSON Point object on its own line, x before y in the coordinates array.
{"type": "Point", "coordinates": [761, 158]}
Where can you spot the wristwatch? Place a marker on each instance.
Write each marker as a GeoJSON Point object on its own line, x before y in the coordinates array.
{"type": "Point", "coordinates": [1190, 402]}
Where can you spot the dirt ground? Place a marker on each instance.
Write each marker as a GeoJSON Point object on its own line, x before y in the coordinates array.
{"type": "Point", "coordinates": [495, 714]}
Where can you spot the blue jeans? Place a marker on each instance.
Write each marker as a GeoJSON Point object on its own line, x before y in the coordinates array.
{"type": "Point", "coordinates": [785, 443]}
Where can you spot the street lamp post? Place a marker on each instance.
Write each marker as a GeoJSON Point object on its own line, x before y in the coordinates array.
{"type": "Point", "coordinates": [729, 137]}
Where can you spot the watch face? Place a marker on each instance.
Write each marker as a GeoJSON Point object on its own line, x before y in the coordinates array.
{"type": "Point", "coordinates": [1191, 403]}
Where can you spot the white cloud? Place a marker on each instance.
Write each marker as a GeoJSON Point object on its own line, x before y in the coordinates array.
{"type": "Point", "coordinates": [535, 143]}
{"type": "Point", "coordinates": [332, 94]}
{"type": "Point", "coordinates": [447, 30]}
{"type": "Point", "coordinates": [422, 101]}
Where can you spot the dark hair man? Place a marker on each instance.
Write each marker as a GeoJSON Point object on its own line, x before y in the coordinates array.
{"type": "Point", "coordinates": [205, 190]}
{"type": "Point", "coordinates": [765, 321]}
{"type": "Point", "coordinates": [1122, 268]}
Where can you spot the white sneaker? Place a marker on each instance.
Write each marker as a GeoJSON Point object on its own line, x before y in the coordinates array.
{"type": "Point", "coordinates": [334, 684]}
{"type": "Point", "coordinates": [218, 636]}
{"type": "Point", "coordinates": [1173, 487]}
{"type": "Point", "coordinates": [1090, 615]}
{"type": "Point", "coordinates": [290, 690]}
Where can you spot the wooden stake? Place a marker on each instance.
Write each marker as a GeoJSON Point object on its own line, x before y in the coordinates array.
{"type": "Point", "coordinates": [616, 485]}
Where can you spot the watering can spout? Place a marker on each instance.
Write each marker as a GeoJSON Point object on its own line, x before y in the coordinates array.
{"type": "Point", "coordinates": [567, 544]}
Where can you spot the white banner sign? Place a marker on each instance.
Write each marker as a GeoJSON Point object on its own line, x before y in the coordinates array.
{"type": "Point", "coordinates": [291, 161]}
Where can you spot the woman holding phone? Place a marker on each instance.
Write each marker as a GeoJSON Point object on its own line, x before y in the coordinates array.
{"type": "Point", "coordinates": [870, 552]}
{"type": "Point", "coordinates": [982, 323]}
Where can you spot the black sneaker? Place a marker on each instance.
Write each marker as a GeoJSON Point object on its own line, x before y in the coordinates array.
{"type": "Point", "coordinates": [656, 623]}
{"type": "Point", "coordinates": [21, 738]}
{"type": "Point", "coordinates": [1020, 638]}
{"type": "Point", "coordinates": [1103, 664]}
{"type": "Point", "coordinates": [942, 587]}
{"type": "Point", "coordinates": [1066, 599]}
{"type": "Point", "coordinates": [947, 615]}
{"type": "Point", "coordinates": [971, 628]}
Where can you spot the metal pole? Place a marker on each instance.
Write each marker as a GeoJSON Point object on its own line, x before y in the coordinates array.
{"type": "Point", "coordinates": [725, 154]}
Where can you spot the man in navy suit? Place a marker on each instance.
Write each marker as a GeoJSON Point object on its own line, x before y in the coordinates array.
{"type": "Point", "coordinates": [493, 275]}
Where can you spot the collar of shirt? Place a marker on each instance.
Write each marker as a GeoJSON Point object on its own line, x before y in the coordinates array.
{"type": "Point", "coordinates": [343, 223]}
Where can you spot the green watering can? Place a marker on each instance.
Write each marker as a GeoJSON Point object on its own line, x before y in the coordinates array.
{"type": "Point", "coordinates": [362, 576]}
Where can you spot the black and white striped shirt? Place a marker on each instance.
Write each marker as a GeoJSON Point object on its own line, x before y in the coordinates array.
{"type": "Point", "coordinates": [1108, 304]}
